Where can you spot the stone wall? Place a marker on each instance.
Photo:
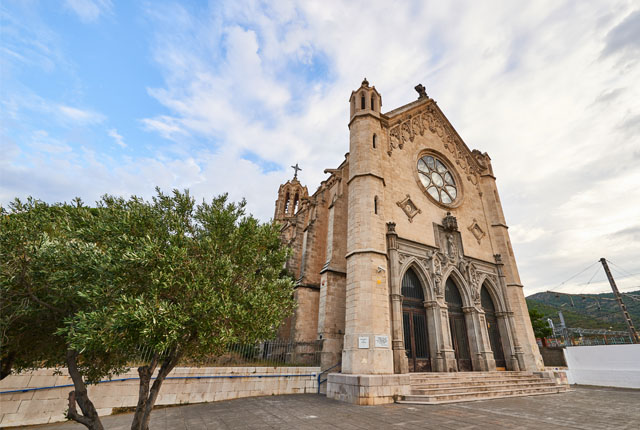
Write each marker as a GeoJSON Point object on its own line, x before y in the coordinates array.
{"type": "Point", "coordinates": [553, 356]}
{"type": "Point", "coordinates": [216, 383]}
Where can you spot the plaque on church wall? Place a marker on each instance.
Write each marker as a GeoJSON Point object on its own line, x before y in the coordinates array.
{"type": "Point", "coordinates": [382, 341]}
{"type": "Point", "coordinates": [363, 342]}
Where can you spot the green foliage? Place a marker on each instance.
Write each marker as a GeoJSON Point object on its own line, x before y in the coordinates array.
{"type": "Point", "coordinates": [166, 276]}
{"type": "Point", "coordinates": [45, 268]}
{"type": "Point", "coordinates": [539, 322]}
{"type": "Point", "coordinates": [592, 311]}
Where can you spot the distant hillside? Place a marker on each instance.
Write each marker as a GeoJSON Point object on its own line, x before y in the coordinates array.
{"type": "Point", "coordinates": [584, 311]}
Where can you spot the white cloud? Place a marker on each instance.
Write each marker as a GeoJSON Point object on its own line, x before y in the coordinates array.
{"type": "Point", "coordinates": [520, 81]}
{"type": "Point", "coordinates": [81, 116]}
{"type": "Point", "coordinates": [548, 88]}
{"type": "Point", "coordinates": [116, 137]}
{"type": "Point", "coordinates": [89, 10]}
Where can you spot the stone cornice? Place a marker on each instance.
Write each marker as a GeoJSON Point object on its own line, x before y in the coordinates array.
{"type": "Point", "coordinates": [359, 175]}
{"type": "Point", "coordinates": [365, 251]}
{"type": "Point", "coordinates": [328, 268]}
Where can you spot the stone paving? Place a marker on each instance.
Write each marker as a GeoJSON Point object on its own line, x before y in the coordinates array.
{"type": "Point", "coordinates": [582, 408]}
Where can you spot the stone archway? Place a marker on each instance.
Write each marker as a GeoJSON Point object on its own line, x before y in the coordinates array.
{"type": "Point", "coordinates": [414, 321]}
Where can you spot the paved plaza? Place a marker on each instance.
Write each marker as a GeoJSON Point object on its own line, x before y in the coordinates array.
{"type": "Point", "coordinates": [582, 408]}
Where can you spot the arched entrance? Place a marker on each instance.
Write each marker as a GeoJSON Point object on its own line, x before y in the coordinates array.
{"type": "Point", "coordinates": [458, 326]}
{"type": "Point", "coordinates": [414, 320]}
{"type": "Point", "coordinates": [492, 327]}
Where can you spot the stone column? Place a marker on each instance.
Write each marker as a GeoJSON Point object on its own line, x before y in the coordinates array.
{"type": "Point", "coordinates": [506, 336]}
{"type": "Point", "coordinates": [448, 353]}
{"type": "Point", "coordinates": [434, 329]}
{"type": "Point", "coordinates": [400, 361]}
{"type": "Point", "coordinates": [517, 355]}
{"type": "Point", "coordinates": [481, 354]}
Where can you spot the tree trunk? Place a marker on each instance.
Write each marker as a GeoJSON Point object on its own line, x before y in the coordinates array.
{"type": "Point", "coordinates": [147, 397]}
{"type": "Point", "coordinates": [89, 417]}
{"type": "Point", "coordinates": [7, 365]}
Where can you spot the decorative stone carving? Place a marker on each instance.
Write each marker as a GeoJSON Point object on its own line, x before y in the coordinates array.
{"type": "Point", "coordinates": [476, 230]}
{"type": "Point", "coordinates": [431, 119]}
{"type": "Point", "coordinates": [450, 223]}
{"type": "Point", "coordinates": [451, 249]}
{"type": "Point", "coordinates": [474, 283]}
{"type": "Point", "coordinates": [433, 264]}
{"type": "Point", "coordinates": [391, 227]}
{"type": "Point", "coordinates": [402, 258]}
{"type": "Point", "coordinates": [422, 92]}
{"type": "Point", "coordinates": [409, 207]}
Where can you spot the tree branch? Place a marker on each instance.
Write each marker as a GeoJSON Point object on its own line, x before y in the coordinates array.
{"type": "Point", "coordinates": [73, 414]}
{"type": "Point", "coordinates": [89, 417]}
{"type": "Point", "coordinates": [35, 298]}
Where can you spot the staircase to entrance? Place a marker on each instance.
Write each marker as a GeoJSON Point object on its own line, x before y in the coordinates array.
{"type": "Point", "coordinates": [437, 388]}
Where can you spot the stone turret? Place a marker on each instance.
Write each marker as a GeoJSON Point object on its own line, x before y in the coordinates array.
{"type": "Point", "coordinates": [367, 343]}
{"type": "Point", "coordinates": [290, 194]}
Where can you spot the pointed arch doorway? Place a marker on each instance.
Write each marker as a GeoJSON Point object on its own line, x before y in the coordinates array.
{"type": "Point", "coordinates": [414, 320]}
{"type": "Point", "coordinates": [458, 326]}
{"type": "Point", "coordinates": [492, 328]}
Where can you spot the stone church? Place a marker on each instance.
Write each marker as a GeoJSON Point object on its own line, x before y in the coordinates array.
{"type": "Point", "coordinates": [402, 255]}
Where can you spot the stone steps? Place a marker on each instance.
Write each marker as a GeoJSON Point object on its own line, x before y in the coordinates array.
{"type": "Point", "coordinates": [465, 383]}
{"type": "Point", "coordinates": [438, 388]}
{"type": "Point", "coordinates": [470, 397]}
{"type": "Point", "coordinates": [480, 388]}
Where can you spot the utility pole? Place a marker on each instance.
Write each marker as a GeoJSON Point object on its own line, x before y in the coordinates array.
{"type": "Point", "coordinates": [632, 330]}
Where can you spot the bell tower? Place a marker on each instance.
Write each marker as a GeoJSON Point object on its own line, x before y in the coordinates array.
{"type": "Point", "coordinates": [290, 194]}
{"type": "Point", "coordinates": [367, 344]}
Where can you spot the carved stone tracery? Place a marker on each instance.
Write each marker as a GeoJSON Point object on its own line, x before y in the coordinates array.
{"type": "Point", "coordinates": [430, 119]}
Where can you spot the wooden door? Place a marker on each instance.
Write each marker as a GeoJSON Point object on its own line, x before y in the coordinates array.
{"type": "Point", "coordinates": [492, 328]}
{"type": "Point", "coordinates": [458, 327]}
{"type": "Point", "coordinates": [414, 319]}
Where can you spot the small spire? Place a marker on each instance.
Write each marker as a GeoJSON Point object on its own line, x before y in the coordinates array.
{"type": "Point", "coordinates": [296, 168]}
{"type": "Point", "coordinates": [365, 83]}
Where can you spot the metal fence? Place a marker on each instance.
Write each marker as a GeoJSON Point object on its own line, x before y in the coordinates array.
{"type": "Point", "coordinates": [268, 353]}
{"type": "Point", "coordinates": [586, 337]}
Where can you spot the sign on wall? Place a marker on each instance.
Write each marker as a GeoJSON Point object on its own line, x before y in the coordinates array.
{"type": "Point", "coordinates": [382, 341]}
{"type": "Point", "coordinates": [363, 342]}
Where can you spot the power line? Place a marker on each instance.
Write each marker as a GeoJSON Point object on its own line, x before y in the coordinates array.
{"type": "Point", "coordinates": [622, 269]}
{"type": "Point", "coordinates": [577, 274]}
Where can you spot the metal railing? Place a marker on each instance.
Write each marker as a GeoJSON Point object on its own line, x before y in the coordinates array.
{"type": "Point", "coordinates": [326, 372]}
{"type": "Point", "coordinates": [586, 337]}
{"type": "Point", "coordinates": [268, 353]}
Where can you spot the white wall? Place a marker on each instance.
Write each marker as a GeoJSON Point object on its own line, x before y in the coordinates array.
{"type": "Point", "coordinates": [604, 365]}
{"type": "Point", "coordinates": [48, 405]}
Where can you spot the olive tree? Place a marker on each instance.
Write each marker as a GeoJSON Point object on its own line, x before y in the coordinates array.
{"type": "Point", "coordinates": [168, 276]}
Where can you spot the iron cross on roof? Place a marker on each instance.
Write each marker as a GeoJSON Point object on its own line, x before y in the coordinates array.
{"type": "Point", "coordinates": [296, 168]}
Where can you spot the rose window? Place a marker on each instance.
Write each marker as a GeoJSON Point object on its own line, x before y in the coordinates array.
{"type": "Point", "coordinates": [437, 179]}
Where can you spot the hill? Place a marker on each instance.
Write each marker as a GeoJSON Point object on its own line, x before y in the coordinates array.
{"type": "Point", "coordinates": [593, 311]}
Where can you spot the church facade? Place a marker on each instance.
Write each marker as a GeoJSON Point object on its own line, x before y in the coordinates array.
{"type": "Point", "coordinates": [402, 255]}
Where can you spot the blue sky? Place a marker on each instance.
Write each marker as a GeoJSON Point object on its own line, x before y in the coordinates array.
{"type": "Point", "coordinates": [102, 96]}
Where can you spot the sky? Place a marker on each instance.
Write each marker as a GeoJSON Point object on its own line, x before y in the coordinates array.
{"type": "Point", "coordinates": [118, 97]}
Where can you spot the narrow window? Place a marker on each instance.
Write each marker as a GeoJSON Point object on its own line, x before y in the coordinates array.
{"type": "Point", "coordinates": [375, 205]}
{"type": "Point", "coordinates": [286, 203]}
{"type": "Point", "coordinates": [295, 204]}
{"type": "Point", "coordinates": [373, 102]}
{"type": "Point", "coordinates": [374, 141]}
{"type": "Point", "coordinates": [362, 102]}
